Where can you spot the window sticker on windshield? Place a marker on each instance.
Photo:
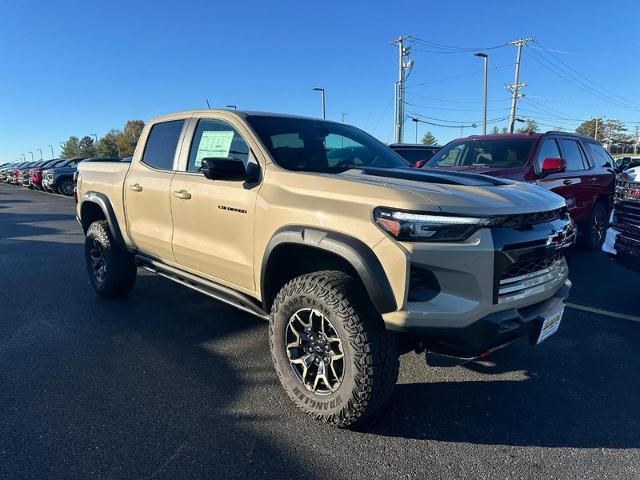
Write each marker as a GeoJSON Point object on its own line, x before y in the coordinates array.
{"type": "Point", "coordinates": [214, 144]}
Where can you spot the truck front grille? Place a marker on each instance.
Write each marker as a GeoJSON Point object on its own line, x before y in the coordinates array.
{"type": "Point", "coordinates": [531, 277]}
{"type": "Point", "coordinates": [534, 218]}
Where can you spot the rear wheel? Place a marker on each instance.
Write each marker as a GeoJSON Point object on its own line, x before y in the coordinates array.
{"type": "Point", "coordinates": [330, 348]}
{"type": "Point", "coordinates": [596, 228]}
{"type": "Point", "coordinates": [112, 270]}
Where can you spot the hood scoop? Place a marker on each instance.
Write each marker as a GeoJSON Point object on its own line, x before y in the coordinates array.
{"type": "Point", "coordinates": [431, 176]}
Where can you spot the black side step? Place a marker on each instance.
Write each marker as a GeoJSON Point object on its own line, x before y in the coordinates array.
{"type": "Point", "coordinates": [212, 289]}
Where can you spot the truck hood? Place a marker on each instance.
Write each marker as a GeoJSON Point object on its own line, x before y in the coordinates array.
{"type": "Point", "coordinates": [462, 193]}
{"type": "Point", "coordinates": [60, 170]}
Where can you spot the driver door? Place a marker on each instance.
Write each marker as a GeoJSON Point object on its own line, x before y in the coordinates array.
{"type": "Point", "coordinates": [213, 219]}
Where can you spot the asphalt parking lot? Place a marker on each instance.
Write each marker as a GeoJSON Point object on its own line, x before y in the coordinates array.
{"type": "Point", "coordinates": [170, 384]}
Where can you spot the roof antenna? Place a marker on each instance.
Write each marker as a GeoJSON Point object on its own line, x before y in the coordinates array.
{"type": "Point", "coordinates": [208, 106]}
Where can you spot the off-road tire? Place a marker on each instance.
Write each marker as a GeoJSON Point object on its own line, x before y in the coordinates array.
{"type": "Point", "coordinates": [370, 351]}
{"type": "Point", "coordinates": [121, 271]}
{"type": "Point", "coordinates": [598, 217]}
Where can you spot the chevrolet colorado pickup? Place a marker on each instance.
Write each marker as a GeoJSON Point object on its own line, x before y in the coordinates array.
{"type": "Point", "coordinates": [352, 256]}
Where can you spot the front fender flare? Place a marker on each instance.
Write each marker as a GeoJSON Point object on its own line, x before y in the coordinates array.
{"type": "Point", "coordinates": [353, 251]}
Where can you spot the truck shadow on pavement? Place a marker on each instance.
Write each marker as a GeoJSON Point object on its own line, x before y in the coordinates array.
{"type": "Point", "coordinates": [149, 386]}
{"type": "Point", "coordinates": [579, 389]}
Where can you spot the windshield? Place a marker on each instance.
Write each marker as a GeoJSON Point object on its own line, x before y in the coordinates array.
{"type": "Point", "coordinates": [318, 146]}
{"type": "Point", "coordinates": [483, 153]}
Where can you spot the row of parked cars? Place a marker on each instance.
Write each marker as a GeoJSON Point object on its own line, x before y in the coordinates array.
{"type": "Point", "coordinates": [55, 175]}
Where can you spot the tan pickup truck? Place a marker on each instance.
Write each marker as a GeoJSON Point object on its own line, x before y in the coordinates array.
{"type": "Point", "coordinates": [352, 255]}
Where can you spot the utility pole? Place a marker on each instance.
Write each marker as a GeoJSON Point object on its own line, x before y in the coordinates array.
{"type": "Point", "coordinates": [485, 59]}
{"type": "Point", "coordinates": [595, 137]}
{"type": "Point", "coordinates": [403, 51]}
{"type": "Point", "coordinates": [343, 115]}
{"type": "Point", "coordinates": [415, 120]}
{"type": "Point", "coordinates": [515, 86]}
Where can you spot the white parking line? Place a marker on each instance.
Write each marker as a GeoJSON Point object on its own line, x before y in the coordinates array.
{"type": "Point", "coordinates": [599, 311]}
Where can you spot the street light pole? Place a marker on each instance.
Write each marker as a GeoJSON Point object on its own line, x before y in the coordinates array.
{"type": "Point", "coordinates": [52, 154]}
{"type": "Point", "coordinates": [324, 104]}
{"type": "Point", "coordinates": [40, 150]}
{"type": "Point", "coordinates": [232, 106]}
{"type": "Point", "coordinates": [415, 120]}
{"type": "Point", "coordinates": [343, 115]}
{"type": "Point", "coordinates": [31, 156]}
{"type": "Point", "coordinates": [485, 58]}
{"type": "Point", "coordinates": [96, 144]}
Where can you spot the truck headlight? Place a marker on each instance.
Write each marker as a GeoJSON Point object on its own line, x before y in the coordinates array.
{"type": "Point", "coordinates": [428, 227]}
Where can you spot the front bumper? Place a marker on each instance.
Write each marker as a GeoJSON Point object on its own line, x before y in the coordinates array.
{"type": "Point", "coordinates": [494, 330]}
{"type": "Point", "coordinates": [488, 290]}
{"type": "Point", "coordinates": [623, 247]}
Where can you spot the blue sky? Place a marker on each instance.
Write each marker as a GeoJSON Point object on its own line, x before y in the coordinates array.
{"type": "Point", "coordinates": [77, 68]}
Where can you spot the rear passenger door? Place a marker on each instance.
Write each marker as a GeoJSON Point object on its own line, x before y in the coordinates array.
{"type": "Point", "coordinates": [147, 191]}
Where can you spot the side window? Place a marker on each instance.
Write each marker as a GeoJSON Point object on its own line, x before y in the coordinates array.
{"type": "Point", "coordinates": [599, 155]}
{"type": "Point", "coordinates": [549, 149]}
{"type": "Point", "coordinates": [453, 156]}
{"type": "Point", "coordinates": [573, 155]}
{"type": "Point", "coordinates": [161, 144]}
{"type": "Point", "coordinates": [215, 138]}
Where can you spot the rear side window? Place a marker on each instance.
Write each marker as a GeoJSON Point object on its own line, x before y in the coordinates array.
{"type": "Point", "coordinates": [215, 138]}
{"type": "Point", "coordinates": [161, 144]}
{"type": "Point", "coordinates": [573, 155]}
{"type": "Point", "coordinates": [599, 155]}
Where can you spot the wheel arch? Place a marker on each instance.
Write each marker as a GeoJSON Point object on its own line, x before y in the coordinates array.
{"type": "Point", "coordinates": [96, 206]}
{"type": "Point", "coordinates": [296, 250]}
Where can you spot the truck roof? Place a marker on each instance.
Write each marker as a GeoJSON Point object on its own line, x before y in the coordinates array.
{"type": "Point", "coordinates": [506, 136]}
{"type": "Point", "coordinates": [239, 113]}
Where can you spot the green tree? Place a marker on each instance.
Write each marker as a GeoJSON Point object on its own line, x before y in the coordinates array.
{"type": "Point", "coordinates": [588, 128]}
{"type": "Point", "coordinates": [87, 147]}
{"type": "Point", "coordinates": [70, 148]}
{"type": "Point", "coordinates": [429, 139]}
{"type": "Point", "coordinates": [108, 145]}
{"type": "Point", "coordinates": [495, 131]}
{"type": "Point", "coordinates": [530, 126]}
{"type": "Point", "coordinates": [128, 139]}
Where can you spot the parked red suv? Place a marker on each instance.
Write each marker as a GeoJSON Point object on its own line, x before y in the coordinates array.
{"type": "Point", "coordinates": [571, 165]}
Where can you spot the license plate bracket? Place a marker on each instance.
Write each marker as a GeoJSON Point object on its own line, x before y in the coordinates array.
{"type": "Point", "coordinates": [550, 324]}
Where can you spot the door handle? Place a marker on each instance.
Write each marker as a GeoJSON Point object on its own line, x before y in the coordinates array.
{"type": "Point", "coordinates": [183, 194]}
{"type": "Point", "coordinates": [568, 182]}
{"type": "Point", "coordinates": [593, 180]}
{"type": "Point", "coordinates": [136, 187]}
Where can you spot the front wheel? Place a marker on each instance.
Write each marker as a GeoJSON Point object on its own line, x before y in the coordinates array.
{"type": "Point", "coordinates": [66, 187]}
{"type": "Point", "coordinates": [330, 348]}
{"type": "Point", "coordinates": [112, 270]}
{"type": "Point", "coordinates": [596, 228]}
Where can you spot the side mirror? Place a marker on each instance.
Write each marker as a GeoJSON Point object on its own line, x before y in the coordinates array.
{"type": "Point", "coordinates": [228, 168]}
{"type": "Point", "coordinates": [553, 165]}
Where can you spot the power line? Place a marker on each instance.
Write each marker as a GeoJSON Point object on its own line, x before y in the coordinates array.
{"type": "Point", "coordinates": [446, 100]}
{"type": "Point", "coordinates": [453, 77]}
{"type": "Point", "coordinates": [567, 77]}
{"type": "Point", "coordinates": [442, 48]}
{"type": "Point", "coordinates": [626, 100]}
{"type": "Point", "coordinates": [430, 107]}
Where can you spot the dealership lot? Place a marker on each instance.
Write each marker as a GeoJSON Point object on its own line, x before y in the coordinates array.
{"type": "Point", "coordinates": [170, 384]}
